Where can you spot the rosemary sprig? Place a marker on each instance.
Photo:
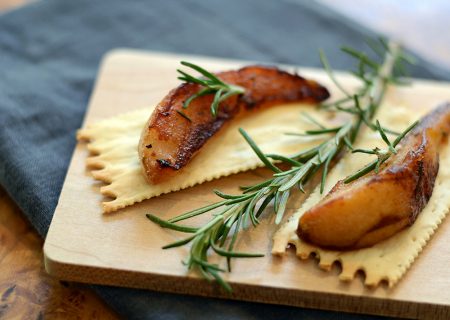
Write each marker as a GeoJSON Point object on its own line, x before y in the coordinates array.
{"type": "Point", "coordinates": [211, 84]}
{"type": "Point", "coordinates": [382, 155]}
{"type": "Point", "coordinates": [234, 212]}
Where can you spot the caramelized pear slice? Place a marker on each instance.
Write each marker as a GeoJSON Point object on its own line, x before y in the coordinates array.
{"type": "Point", "coordinates": [173, 134]}
{"type": "Point", "coordinates": [377, 206]}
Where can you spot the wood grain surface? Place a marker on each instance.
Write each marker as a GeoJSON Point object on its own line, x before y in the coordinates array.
{"type": "Point", "coordinates": [26, 290]}
{"type": "Point", "coordinates": [125, 249]}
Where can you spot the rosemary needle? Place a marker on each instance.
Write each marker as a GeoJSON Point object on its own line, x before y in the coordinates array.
{"type": "Point", "coordinates": [382, 155]}
{"type": "Point", "coordinates": [235, 212]}
{"type": "Point", "coordinates": [211, 84]}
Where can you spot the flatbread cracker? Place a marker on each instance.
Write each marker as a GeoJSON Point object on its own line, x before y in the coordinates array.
{"type": "Point", "coordinates": [113, 143]}
{"type": "Point", "coordinates": [389, 259]}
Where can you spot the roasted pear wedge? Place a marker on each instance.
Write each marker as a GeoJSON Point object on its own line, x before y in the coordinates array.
{"type": "Point", "coordinates": [377, 206]}
{"type": "Point", "coordinates": [173, 134]}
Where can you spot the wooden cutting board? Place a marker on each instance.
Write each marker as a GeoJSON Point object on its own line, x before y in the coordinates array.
{"type": "Point", "coordinates": [124, 248]}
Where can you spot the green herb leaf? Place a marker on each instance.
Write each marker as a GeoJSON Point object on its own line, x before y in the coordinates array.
{"type": "Point", "coordinates": [211, 84]}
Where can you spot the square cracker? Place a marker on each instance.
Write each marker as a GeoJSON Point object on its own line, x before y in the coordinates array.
{"type": "Point", "coordinates": [389, 259]}
{"type": "Point", "coordinates": [114, 160]}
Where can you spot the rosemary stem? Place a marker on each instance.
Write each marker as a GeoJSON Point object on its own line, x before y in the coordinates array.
{"type": "Point", "coordinates": [232, 214]}
{"type": "Point", "coordinates": [385, 72]}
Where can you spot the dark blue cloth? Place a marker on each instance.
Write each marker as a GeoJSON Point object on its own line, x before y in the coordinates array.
{"type": "Point", "coordinates": [49, 55]}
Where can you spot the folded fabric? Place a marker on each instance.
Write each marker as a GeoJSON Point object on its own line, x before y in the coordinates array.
{"type": "Point", "coordinates": [49, 55]}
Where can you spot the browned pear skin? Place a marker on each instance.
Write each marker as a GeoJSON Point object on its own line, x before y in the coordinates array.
{"type": "Point", "coordinates": [170, 139]}
{"type": "Point", "coordinates": [376, 206]}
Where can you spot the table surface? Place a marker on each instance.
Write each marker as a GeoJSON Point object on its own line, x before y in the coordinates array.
{"type": "Point", "coordinates": [28, 292]}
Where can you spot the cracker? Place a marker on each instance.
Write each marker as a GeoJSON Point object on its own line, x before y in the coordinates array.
{"type": "Point", "coordinates": [114, 160]}
{"type": "Point", "coordinates": [389, 259]}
